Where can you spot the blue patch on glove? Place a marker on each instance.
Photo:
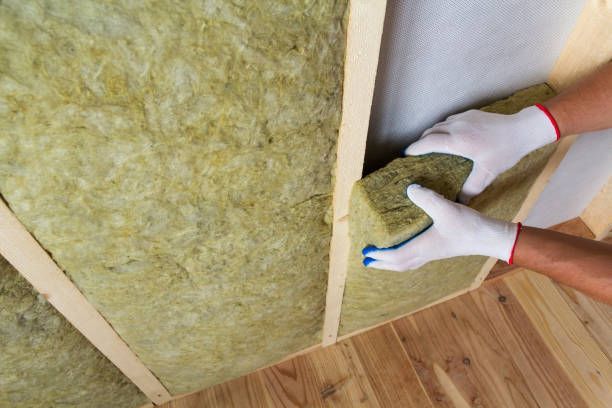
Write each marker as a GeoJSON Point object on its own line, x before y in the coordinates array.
{"type": "Point", "coordinates": [367, 261]}
{"type": "Point", "coordinates": [368, 249]}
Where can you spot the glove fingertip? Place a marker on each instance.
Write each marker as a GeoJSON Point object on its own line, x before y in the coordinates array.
{"type": "Point", "coordinates": [368, 261]}
{"type": "Point", "coordinates": [416, 149]}
{"type": "Point", "coordinates": [365, 251]}
{"type": "Point", "coordinates": [412, 187]}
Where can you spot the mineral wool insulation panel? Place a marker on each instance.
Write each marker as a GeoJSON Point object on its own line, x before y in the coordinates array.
{"type": "Point", "coordinates": [373, 296]}
{"type": "Point", "coordinates": [175, 158]}
{"type": "Point", "coordinates": [45, 362]}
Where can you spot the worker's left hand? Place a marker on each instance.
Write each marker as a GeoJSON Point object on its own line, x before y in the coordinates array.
{"type": "Point", "coordinates": [457, 230]}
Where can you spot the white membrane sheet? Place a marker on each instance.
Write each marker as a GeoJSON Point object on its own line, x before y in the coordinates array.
{"type": "Point", "coordinates": [441, 57]}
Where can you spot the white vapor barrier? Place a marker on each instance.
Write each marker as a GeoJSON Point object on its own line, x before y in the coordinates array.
{"type": "Point", "coordinates": [580, 176]}
{"type": "Point", "coordinates": [441, 57]}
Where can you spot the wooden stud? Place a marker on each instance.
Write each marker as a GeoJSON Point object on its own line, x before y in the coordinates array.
{"type": "Point", "coordinates": [366, 20]}
{"type": "Point", "coordinates": [598, 214]}
{"type": "Point", "coordinates": [588, 47]}
{"type": "Point", "coordinates": [20, 249]}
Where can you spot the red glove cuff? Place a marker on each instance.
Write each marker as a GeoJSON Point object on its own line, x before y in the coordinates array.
{"type": "Point", "coordinates": [519, 226]}
{"type": "Point", "coordinates": [551, 118]}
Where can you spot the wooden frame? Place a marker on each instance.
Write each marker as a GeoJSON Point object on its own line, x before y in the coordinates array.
{"type": "Point", "coordinates": [366, 20]}
{"type": "Point", "coordinates": [575, 62]}
{"type": "Point", "coordinates": [597, 215]}
{"type": "Point", "coordinates": [20, 249]}
{"type": "Point", "coordinates": [365, 27]}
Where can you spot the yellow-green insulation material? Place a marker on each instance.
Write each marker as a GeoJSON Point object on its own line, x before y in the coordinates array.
{"type": "Point", "coordinates": [45, 362]}
{"type": "Point", "coordinates": [385, 215]}
{"type": "Point", "coordinates": [175, 158]}
{"type": "Point", "coordinates": [373, 296]}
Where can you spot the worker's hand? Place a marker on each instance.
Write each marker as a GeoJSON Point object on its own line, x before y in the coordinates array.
{"type": "Point", "coordinates": [494, 142]}
{"type": "Point", "coordinates": [457, 230]}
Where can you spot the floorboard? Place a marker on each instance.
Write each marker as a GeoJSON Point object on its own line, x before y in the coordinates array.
{"type": "Point", "coordinates": [579, 354]}
{"type": "Point", "coordinates": [462, 361]}
{"type": "Point", "coordinates": [388, 369]}
{"type": "Point", "coordinates": [544, 375]}
{"type": "Point", "coordinates": [595, 316]}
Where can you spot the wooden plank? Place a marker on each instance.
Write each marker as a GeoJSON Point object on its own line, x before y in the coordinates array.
{"type": "Point", "coordinates": [365, 27]}
{"type": "Point", "coordinates": [548, 382]}
{"type": "Point", "coordinates": [575, 227]}
{"type": "Point", "coordinates": [596, 317]}
{"type": "Point", "coordinates": [459, 359]}
{"type": "Point", "coordinates": [598, 214]}
{"type": "Point", "coordinates": [579, 354]}
{"type": "Point", "coordinates": [342, 378]}
{"type": "Point", "coordinates": [21, 249]}
{"type": "Point", "coordinates": [389, 370]}
{"type": "Point", "coordinates": [246, 391]}
{"type": "Point", "coordinates": [332, 376]}
{"type": "Point", "coordinates": [588, 47]}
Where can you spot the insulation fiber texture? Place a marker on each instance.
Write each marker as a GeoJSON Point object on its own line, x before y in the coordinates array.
{"type": "Point", "coordinates": [175, 158]}
{"type": "Point", "coordinates": [387, 217]}
{"type": "Point", "coordinates": [45, 362]}
{"type": "Point", "coordinates": [373, 296]}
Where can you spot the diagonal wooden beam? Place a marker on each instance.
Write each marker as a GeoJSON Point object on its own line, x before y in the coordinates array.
{"type": "Point", "coordinates": [366, 20]}
{"type": "Point", "coordinates": [20, 249]}
{"type": "Point", "coordinates": [597, 215]}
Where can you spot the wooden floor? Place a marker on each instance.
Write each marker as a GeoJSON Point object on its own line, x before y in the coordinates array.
{"type": "Point", "coordinates": [520, 340]}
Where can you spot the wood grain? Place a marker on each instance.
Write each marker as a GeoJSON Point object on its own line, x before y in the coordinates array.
{"type": "Point", "coordinates": [564, 334]}
{"type": "Point", "coordinates": [588, 47]}
{"type": "Point", "coordinates": [20, 249]}
{"type": "Point", "coordinates": [365, 27]}
{"type": "Point", "coordinates": [598, 214]}
{"type": "Point", "coordinates": [330, 377]}
{"type": "Point", "coordinates": [459, 359]}
{"type": "Point", "coordinates": [596, 317]}
{"type": "Point", "coordinates": [247, 391]}
{"type": "Point", "coordinates": [389, 369]}
{"type": "Point", "coordinates": [548, 382]}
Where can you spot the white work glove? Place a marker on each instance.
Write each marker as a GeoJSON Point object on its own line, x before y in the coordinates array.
{"type": "Point", "coordinates": [457, 230]}
{"type": "Point", "coordinates": [494, 142]}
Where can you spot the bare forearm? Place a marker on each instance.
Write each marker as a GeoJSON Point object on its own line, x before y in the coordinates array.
{"type": "Point", "coordinates": [577, 262]}
{"type": "Point", "coordinates": [585, 107]}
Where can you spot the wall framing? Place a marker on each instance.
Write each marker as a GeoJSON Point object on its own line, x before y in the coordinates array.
{"type": "Point", "coordinates": [363, 42]}
{"type": "Point", "coordinates": [366, 20]}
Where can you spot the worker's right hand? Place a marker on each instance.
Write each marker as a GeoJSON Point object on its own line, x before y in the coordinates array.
{"type": "Point", "coordinates": [494, 142]}
{"type": "Point", "coordinates": [457, 230]}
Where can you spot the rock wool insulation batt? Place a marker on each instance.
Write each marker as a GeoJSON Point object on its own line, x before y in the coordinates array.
{"type": "Point", "coordinates": [45, 362]}
{"type": "Point", "coordinates": [175, 159]}
{"type": "Point", "coordinates": [385, 216]}
{"type": "Point", "coordinates": [373, 296]}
